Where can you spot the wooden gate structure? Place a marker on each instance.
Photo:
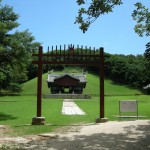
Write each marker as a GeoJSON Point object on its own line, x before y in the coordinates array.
{"type": "Point", "coordinates": [69, 56]}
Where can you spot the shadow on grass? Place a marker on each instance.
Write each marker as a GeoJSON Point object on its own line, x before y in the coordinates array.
{"type": "Point", "coordinates": [4, 117]}
{"type": "Point", "coordinates": [133, 137]}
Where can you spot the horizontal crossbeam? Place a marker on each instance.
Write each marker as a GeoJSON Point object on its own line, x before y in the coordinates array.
{"type": "Point", "coordinates": [67, 63]}
{"type": "Point", "coordinates": [67, 55]}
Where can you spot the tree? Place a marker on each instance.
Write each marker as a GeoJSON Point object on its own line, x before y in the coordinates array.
{"type": "Point", "coordinates": [7, 23]}
{"type": "Point", "coordinates": [147, 57]}
{"type": "Point", "coordinates": [142, 16]}
{"type": "Point", "coordinates": [100, 7]}
{"type": "Point", "coordinates": [15, 50]}
{"type": "Point", "coordinates": [97, 7]}
{"type": "Point", "coordinates": [118, 68]}
{"type": "Point", "coordinates": [22, 46]}
{"type": "Point", "coordinates": [147, 52]}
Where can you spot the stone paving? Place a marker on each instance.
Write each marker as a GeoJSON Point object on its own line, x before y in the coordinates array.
{"type": "Point", "coordinates": [70, 108]}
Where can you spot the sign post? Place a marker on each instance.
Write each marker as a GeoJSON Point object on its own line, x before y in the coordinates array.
{"type": "Point", "coordinates": [128, 106]}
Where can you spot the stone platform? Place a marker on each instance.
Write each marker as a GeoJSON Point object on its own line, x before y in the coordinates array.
{"type": "Point", "coordinates": [67, 96]}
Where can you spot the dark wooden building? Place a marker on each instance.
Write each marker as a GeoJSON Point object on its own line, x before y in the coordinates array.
{"type": "Point", "coordinates": [66, 83]}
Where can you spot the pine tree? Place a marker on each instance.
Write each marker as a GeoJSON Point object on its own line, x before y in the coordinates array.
{"type": "Point", "coordinates": [15, 50]}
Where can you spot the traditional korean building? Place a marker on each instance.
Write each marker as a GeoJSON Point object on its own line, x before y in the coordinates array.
{"type": "Point", "coordinates": [66, 83]}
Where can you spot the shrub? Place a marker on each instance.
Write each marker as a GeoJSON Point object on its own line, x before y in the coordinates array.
{"type": "Point", "coordinates": [15, 87]}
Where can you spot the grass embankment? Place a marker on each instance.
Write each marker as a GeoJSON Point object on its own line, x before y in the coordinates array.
{"type": "Point", "coordinates": [92, 87]}
{"type": "Point", "coordinates": [17, 111]}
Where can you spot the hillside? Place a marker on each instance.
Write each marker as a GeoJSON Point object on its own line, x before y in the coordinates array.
{"type": "Point", "coordinates": [92, 87]}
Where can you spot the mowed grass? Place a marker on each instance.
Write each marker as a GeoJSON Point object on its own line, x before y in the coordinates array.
{"type": "Point", "coordinates": [91, 107]}
{"type": "Point", "coordinates": [30, 87]}
{"type": "Point", "coordinates": [111, 88]}
{"type": "Point", "coordinates": [18, 111]}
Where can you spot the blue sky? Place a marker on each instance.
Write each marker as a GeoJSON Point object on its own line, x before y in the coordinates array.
{"type": "Point", "coordinates": [52, 23]}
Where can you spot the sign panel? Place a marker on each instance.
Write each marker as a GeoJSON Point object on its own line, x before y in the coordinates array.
{"type": "Point", "coordinates": [128, 105]}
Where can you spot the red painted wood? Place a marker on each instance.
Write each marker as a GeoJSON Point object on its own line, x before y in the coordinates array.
{"type": "Point", "coordinates": [92, 60]}
{"type": "Point", "coordinates": [39, 83]}
{"type": "Point", "coordinates": [101, 82]}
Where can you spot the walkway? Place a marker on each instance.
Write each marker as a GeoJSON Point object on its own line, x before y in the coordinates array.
{"type": "Point", "coordinates": [70, 108]}
{"type": "Point", "coordinates": [113, 135]}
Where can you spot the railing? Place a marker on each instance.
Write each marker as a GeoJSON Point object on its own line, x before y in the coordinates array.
{"type": "Point", "coordinates": [70, 56]}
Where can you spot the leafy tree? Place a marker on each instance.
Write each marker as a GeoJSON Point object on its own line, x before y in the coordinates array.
{"type": "Point", "coordinates": [130, 70]}
{"type": "Point", "coordinates": [97, 8]}
{"type": "Point", "coordinates": [118, 68]}
{"type": "Point", "coordinates": [147, 58]}
{"type": "Point", "coordinates": [100, 7]}
{"type": "Point", "coordinates": [7, 23]}
{"type": "Point", "coordinates": [142, 16]}
{"type": "Point", "coordinates": [136, 71]}
{"type": "Point", "coordinates": [15, 50]}
{"type": "Point", "coordinates": [147, 52]}
{"type": "Point", "coordinates": [22, 46]}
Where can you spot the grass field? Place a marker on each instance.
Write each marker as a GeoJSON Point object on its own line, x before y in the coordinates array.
{"type": "Point", "coordinates": [18, 111]}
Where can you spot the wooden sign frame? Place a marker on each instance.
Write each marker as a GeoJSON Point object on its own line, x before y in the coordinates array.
{"type": "Point", "coordinates": [128, 106]}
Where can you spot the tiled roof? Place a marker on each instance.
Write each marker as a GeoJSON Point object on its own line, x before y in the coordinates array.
{"type": "Point", "coordinates": [146, 87]}
{"type": "Point", "coordinates": [80, 77]}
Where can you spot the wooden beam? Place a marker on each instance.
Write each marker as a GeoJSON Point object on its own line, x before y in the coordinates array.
{"type": "Point", "coordinates": [39, 84]}
{"type": "Point", "coordinates": [101, 82]}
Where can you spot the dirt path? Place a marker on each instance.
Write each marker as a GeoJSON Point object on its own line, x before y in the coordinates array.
{"type": "Point", "coordinates": [124, 135]}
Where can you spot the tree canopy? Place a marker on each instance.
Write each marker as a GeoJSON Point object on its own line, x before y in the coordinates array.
{"type": "Point", "coordinates": [86, 16]}
{"type": "Point", "coordinates": [15, 50]}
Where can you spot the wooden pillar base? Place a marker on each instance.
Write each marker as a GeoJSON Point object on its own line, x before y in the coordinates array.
{"type": "Point", "coordinates": [38, 121]}
{"type": "Point", "coordinates": [101, 120]}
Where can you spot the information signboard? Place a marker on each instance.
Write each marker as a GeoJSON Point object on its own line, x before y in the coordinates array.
{"type": "Point", "coordinates": [128, 106]}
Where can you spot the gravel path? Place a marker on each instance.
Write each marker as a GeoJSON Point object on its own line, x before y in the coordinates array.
{"type": "Point", "coordinates": [113, 135]}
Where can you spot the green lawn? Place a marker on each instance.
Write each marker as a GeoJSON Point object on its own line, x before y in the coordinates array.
{"type": "Point", "coordinates": [110, 87]}
{"type": "Point", "coordinates": [112, 106]}
{"type": "Point", "coordinates": [17, 112]}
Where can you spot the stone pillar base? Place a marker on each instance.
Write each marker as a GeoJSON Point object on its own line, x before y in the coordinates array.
{"type": "Point", "coordinates": [38, 120]}
{"type": "Point", "coordinates": [101, 120]}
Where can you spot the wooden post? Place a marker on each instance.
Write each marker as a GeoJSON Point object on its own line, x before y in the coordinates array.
{"type": "Point", "coordinates": [94, 54]}
{"type": "Point", "coordinates": [39, 83]}
{"type": "Point", "coordinates": [60, 51]}
{"type": "Point", "coordinates": [64, 53]}
{"type": "Point", "coordinates": [56, 49]}
{"type": "Point", "coordinates": [52, 50]}
{"type": "Point", "coordinates": [38, 120]}
{"type": "Point", "coordinates": [101, 117]}
{"type": "Point", "coordinates": [101, 73]}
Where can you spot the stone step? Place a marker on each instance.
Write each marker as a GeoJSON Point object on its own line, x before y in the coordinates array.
{"type": "Point", "coordinates": [67, 96]}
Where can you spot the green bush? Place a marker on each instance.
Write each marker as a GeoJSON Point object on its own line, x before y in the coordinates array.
{"type": "Point", "coordinates": [15, 87]}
